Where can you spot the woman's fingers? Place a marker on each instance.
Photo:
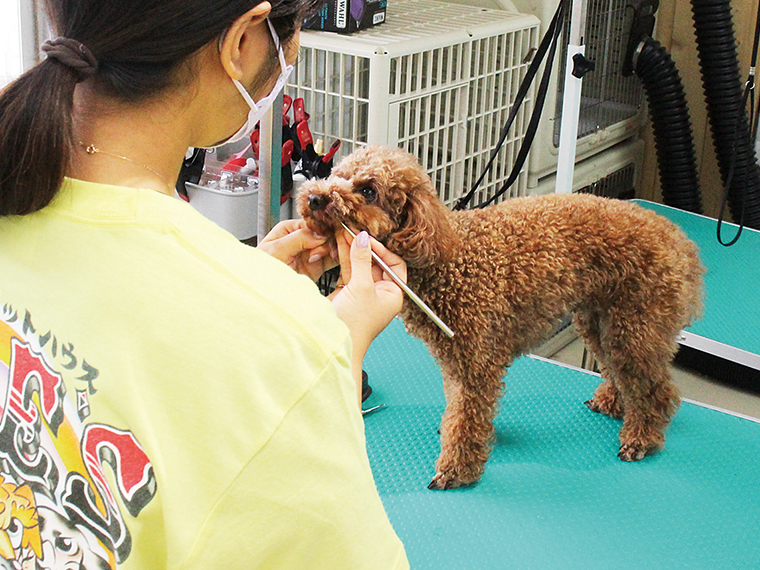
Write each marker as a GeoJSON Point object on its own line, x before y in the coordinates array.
{"type": "Point", "coordinates": [343, 241]}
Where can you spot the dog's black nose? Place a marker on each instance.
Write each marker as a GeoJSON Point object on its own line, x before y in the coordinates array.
{"type": "Point", "coordinates": [317, 202]}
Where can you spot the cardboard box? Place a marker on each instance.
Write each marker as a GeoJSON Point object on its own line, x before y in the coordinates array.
{"type": "Point", "coordinates": [346, 16]}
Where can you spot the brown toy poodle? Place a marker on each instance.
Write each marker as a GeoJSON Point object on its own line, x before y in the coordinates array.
{"type": "Point", "coordinates": [502, 278]}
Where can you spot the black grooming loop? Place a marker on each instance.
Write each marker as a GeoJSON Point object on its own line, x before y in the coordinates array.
{"type": "Point", "coordinates": [548, 46]}
{"type": "Point", "coordinates": [329, 279]}
{"type": "Point", "coordinates": [748, 95]}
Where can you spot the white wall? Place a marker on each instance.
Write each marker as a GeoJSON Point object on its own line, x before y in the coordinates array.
{"type": "Point", "coordinates": [10, 41]}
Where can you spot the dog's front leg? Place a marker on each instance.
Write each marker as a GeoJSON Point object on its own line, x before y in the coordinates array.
{"type": "Point", "coordinates": [472, 397]}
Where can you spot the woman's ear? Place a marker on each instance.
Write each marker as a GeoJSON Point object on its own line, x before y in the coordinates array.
{"type": "Point", "coordinates": [424, 236]}
{"type": "Point", "coordinates": [232, 46]}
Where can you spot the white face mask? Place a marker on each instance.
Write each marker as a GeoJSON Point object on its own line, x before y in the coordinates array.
{"type": "Point", "coordinates": [259, 109]}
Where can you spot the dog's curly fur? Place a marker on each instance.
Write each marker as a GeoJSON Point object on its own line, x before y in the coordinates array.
{"type": "Point", "coordinates": [504, 276]}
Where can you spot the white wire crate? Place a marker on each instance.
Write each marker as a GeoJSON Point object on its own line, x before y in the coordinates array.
{"type": "Point", "coordinates": [612, 106]}
{"type": "Point", "coordinates": [436, 79]}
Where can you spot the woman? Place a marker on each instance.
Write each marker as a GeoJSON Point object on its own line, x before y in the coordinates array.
{"type": "Point", "coordinates": [174, 399]}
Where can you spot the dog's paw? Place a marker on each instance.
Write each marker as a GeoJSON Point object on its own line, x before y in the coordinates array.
{"type": "Point", "coordinates": [632, 453]}
{"type": "Point", "coordinates": [593, 405]}
{"type": "Point", "coordinates": [442, 482]}
{"type": "Point", "coordinates": [450, 480]}
{"type": "Point", "coordinates": [611, 409]}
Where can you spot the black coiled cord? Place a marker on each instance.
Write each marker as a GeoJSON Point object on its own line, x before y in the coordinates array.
{"type": "Point", "coordinates": [676, 157]}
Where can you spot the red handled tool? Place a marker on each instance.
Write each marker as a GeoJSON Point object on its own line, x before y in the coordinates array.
{"type": "Point", "coordinates": [331, 151]}
{"type": "Point", "coordinates": [309, 156]}
{"type": "Point", "coordinates": [326, 163]}
{"type": "Point", "coordinates": [255, 135]}
{"type": "Point", "coordinates": [299, 113]}
{"type": "Point", "coordinates": [235, 159]}
{"type": "Point", "coordinates": [287, 152]}
{"type": "Point", "coordinates": [310, 160]}
{"type": "Point", "coordinates": [234, 164]}
{"type": "Point", "coordinates": [286, 102]}
{"type": "Point", "coordinates": [286, 175]}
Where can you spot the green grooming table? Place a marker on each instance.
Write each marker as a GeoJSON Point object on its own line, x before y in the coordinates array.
{"type": "Point", "coordinates": [730, 327]}
{"type": "Point", "coordinates": [554, 494]}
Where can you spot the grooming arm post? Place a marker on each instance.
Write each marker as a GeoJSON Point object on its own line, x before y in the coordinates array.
{"type": "Point", "coordinates": [576, 66]}
{"type": "Point", "coordinates": [270, 170]}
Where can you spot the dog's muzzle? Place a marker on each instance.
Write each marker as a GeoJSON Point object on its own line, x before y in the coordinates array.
{"type": "Point", "coordinates": [318, 202]}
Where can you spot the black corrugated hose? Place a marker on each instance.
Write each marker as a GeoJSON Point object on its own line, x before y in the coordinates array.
{"type": "Point", "coordinates": [676, 157]}
{"type": "Point", "coordinates": [719, 65]}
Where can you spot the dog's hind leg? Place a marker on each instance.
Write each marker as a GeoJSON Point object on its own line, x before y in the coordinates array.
{"type": "Point", "coordinates": [472, 397]}
{"type": "Point", "coordinates": [638, 356]}
{"type": "Point", "coordinates": [606, 399]}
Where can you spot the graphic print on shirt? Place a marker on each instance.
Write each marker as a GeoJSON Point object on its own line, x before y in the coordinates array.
{"type": "Point", "coordinates": [57, 508]}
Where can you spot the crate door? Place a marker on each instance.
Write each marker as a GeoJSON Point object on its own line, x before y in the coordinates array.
{"type": "Point", "coordinates": [433, 127]}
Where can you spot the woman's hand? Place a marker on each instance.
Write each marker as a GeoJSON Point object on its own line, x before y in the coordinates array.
{"type": "Point", "coordinates": [366, 298]}
{"type": "Point", "coordinates": [294, 244]}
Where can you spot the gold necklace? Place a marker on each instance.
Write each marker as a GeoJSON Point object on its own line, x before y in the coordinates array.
{"type": "Point", "coordinates": [91, 149]}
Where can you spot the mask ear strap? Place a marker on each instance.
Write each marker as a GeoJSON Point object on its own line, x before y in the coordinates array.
{"type": "Point", "coordinates": [221, 39]}
{"type": "Point", "coordinates": [283, 65]}
{"type": "Point", "coordinates": [276, 38]}
{"type": "Point", "coordinates": [247, 96]}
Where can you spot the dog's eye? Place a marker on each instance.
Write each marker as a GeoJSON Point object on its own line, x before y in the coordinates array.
{"type": "Point", "coordinates": [369, 193]}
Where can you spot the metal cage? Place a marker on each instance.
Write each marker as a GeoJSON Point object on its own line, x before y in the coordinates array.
{"type": "Point", "coordinates": [436, 79]}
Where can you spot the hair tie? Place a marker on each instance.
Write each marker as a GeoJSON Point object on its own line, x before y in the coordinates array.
{"type": "Point", "coordinates": [73, 54]}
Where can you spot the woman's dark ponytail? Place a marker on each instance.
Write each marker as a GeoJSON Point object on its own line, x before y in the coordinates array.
{"type": "Point", "coordinates": [35, 136]}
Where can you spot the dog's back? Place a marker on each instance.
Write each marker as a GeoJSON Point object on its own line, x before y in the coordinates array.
{"type": "Point", "coordinates": [538, 258]}
{"type": "Point", "coordinates": [588, 243]}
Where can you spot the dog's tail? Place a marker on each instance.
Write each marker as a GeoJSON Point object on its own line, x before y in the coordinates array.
{"type": "Point", "coordinates": [693, 284]}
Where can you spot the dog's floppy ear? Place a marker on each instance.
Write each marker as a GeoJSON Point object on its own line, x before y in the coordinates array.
{"type": "Point", "coordinates": [424, 235]}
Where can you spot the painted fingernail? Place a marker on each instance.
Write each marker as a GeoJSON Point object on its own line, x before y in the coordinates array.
{"type": "Point", "coordinates": [314, 258]}
{"type": "Point", "coordinates": [362, 239]}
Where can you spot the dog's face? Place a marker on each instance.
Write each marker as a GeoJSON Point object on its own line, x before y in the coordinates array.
{"type": "Point", "coordinates": [384, 191]}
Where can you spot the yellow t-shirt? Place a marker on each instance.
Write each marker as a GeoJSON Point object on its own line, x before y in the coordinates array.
{"type": "Point", "coordinates": [172, 398]}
